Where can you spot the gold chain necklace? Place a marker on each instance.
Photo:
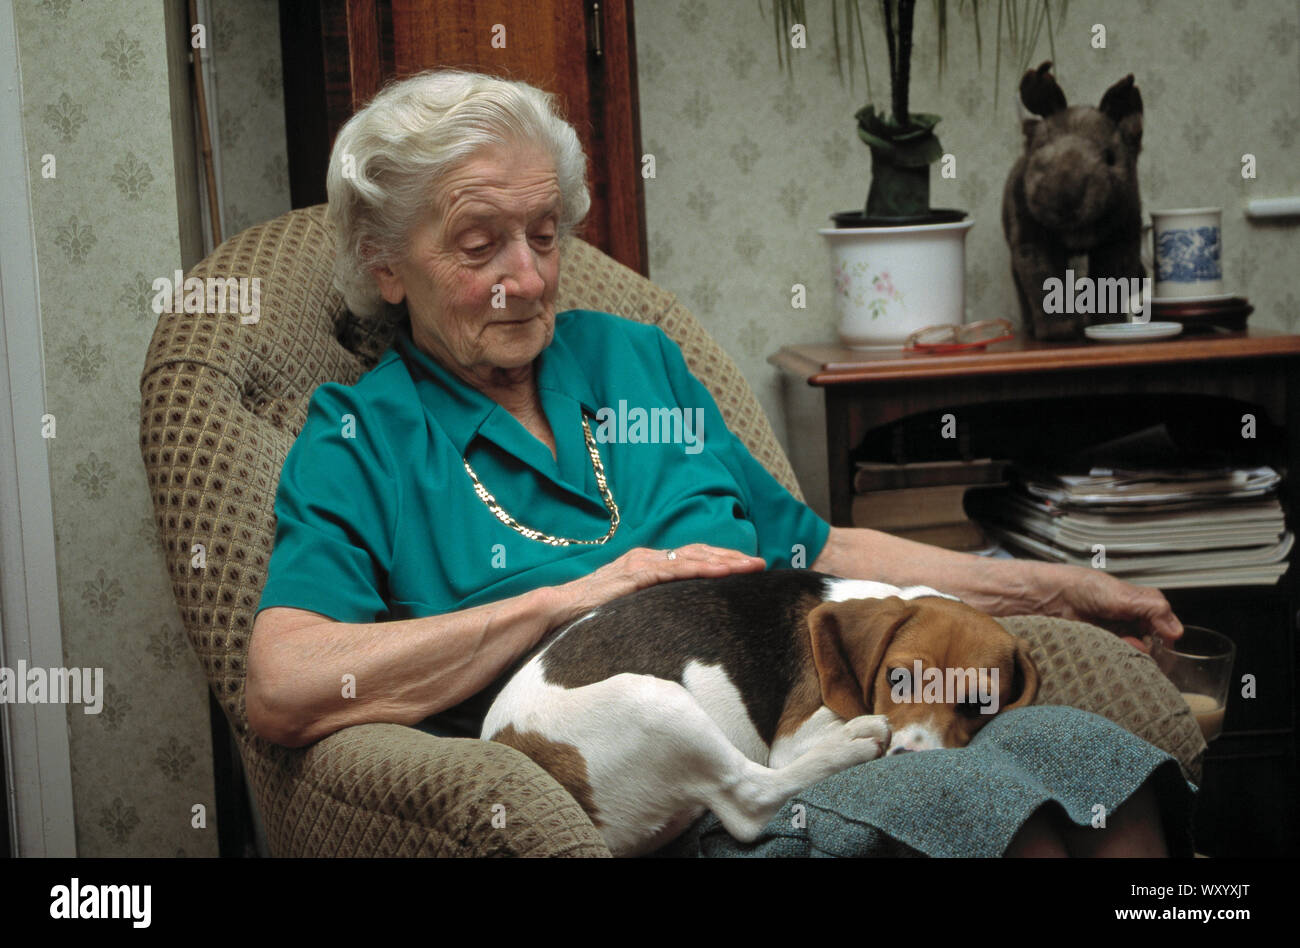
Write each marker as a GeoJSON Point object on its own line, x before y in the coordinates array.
{"type": "Point", "coordinates": [499, 512]}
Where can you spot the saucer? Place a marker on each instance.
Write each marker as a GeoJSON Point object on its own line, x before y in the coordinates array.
{"type": "Point", "coordinates": [1132, 332]}
{"type": "Point", "coordinates": [1175, 300]}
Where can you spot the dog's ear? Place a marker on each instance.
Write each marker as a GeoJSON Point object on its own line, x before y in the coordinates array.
{"type": "Point", "coordinates": [849, 640]}
{"type": "Point", "coordinates": [1025, 686]}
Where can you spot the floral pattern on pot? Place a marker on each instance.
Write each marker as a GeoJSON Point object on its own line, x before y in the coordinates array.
{"type": "Point", "coordinates": [882, 287]}
{"type": "Point", "coordinates": [1189, 255]}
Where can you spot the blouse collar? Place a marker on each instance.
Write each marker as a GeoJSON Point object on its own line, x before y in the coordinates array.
{"type": "Point", "coordinates": [463, 412]}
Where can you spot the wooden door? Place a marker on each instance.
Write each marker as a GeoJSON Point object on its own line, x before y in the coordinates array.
{"type": "Point", "coordinates": [338, 53]}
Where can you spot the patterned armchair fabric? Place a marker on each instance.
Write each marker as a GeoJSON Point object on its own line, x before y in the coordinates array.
{"type": "Point", "coordinates": [222, 403]}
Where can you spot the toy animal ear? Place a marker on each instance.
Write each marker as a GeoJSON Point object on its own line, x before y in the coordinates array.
{"type": "Point", "coordinates": [849, 640]}
{"type": "Point", "coordinates": [1025, 687]}
{"type": "Point", "coordinates": [1040, 93]}
{"type": "Point", "coordinates": [1122, 104]}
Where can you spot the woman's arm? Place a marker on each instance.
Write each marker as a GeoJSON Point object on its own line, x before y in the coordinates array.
{"type": "Point", "coordinates": [1001, 587]}
{"type": "Point", "coordinates": [404, 671]}
{"type": "Point", "coordinates": [409, 669]}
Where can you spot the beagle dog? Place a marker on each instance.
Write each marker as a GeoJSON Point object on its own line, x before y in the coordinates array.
{"type": "Point", "coordinates": [733, 694]}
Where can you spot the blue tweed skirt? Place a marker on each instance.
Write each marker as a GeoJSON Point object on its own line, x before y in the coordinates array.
{"type": "Point", "coordinates": [970, 801]}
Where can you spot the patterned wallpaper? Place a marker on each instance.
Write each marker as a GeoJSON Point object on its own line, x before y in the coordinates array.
{"type": "Point", "coordinates": [95, 98]}
{"type": "Point", "coordinates": [249, 111]}
{"type": "Point", "coordinates": [750, 165]}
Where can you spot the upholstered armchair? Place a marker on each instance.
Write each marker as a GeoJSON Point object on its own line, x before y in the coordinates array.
{"type": "Point", "coordinates": [222, 402]}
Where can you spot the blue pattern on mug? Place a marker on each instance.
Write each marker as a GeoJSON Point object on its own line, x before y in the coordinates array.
{"type": "Point", "coordinates": [1188, 255]}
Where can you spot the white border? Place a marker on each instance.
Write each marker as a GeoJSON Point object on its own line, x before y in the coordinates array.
{"type": "Point", "coordinates": [38, 768]}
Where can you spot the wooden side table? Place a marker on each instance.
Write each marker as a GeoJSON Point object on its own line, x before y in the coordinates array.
{"type": "Point", "coordinates": [863, 391]}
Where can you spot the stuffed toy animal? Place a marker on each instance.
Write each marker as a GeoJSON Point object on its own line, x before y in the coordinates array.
{"type": "Point", "coordinates": [1074, 191]}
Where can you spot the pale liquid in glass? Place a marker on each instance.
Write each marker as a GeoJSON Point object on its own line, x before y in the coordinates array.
{"type": "Point", "coordinates": [1208, 713]}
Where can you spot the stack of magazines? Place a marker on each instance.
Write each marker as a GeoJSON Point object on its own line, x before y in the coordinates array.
{"type": "Point", "coordinates": [1157, 527]}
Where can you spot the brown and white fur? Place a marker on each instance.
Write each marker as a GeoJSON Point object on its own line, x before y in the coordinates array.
{"type": "Point", "coordinates": [734, 694]}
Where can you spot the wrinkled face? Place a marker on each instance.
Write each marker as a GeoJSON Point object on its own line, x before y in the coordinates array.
{"type": "Point", "coordinates": [967, 672]}
{"type": "Point", "coordinates": [1079, 166]}
{"type": "Point", "coordinates": [489, 238]}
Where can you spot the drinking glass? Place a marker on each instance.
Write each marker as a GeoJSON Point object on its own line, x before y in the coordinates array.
{"type": "Point", "coordinates": [1200, 666]}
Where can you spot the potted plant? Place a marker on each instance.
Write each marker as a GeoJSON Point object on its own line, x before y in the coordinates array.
{"type": "Point", "coordinates": [898, 264]}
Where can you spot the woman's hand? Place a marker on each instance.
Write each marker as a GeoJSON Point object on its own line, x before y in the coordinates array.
{"type": "Point", "coordinates": [642, 567]}
{"type": "Point", "coordinates": [1133, 612]}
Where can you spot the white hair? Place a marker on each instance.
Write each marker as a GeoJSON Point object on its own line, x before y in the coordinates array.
{"type": "Point", "coordinates": [389, 160]}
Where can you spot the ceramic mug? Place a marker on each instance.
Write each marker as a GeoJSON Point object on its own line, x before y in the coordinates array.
{"type": "Point", "coordinates": [1188, 250]}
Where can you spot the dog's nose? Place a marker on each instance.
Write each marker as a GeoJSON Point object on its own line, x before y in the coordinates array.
{"type": "Point", "coordinates": [898, 750]}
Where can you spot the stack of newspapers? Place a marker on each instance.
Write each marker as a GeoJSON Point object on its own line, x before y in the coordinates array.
{"type": "Point", "coordinates": [1157, 527]}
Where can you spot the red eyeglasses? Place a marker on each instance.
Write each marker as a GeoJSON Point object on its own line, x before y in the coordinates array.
{"type": "Point", "coordinates": [955, 338]}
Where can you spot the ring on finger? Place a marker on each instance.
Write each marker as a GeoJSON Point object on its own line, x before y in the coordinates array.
{"type": "Point", "coordinates": [672, 554]}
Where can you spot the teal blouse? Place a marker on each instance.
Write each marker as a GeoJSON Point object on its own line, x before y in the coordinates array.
{"type": "Point", "coordinates": [378, 520]}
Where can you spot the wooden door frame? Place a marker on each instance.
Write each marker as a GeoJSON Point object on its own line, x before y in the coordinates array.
{"type": "Point", "coordinates": [611, 64]}
{"type": "Point", "coordinates": [620, 110]}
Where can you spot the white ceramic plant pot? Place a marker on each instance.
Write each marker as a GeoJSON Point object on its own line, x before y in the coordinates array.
{"type": "Point", "coordinates": [891, 281]}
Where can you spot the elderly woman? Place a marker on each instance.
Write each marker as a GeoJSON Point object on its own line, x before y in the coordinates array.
{"type": "Point", "coordinates": [441, 515]}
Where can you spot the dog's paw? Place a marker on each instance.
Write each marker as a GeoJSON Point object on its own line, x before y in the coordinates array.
{"type": "Point", "coordinates": [868, 726]}
{"type": "Point", "coordinates": [864, 739]}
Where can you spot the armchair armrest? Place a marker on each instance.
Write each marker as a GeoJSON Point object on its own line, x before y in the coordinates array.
{"type": "Point", "coordinates": [1088, 668]}
{"type": "Point", "coordinates": [389, 790]}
